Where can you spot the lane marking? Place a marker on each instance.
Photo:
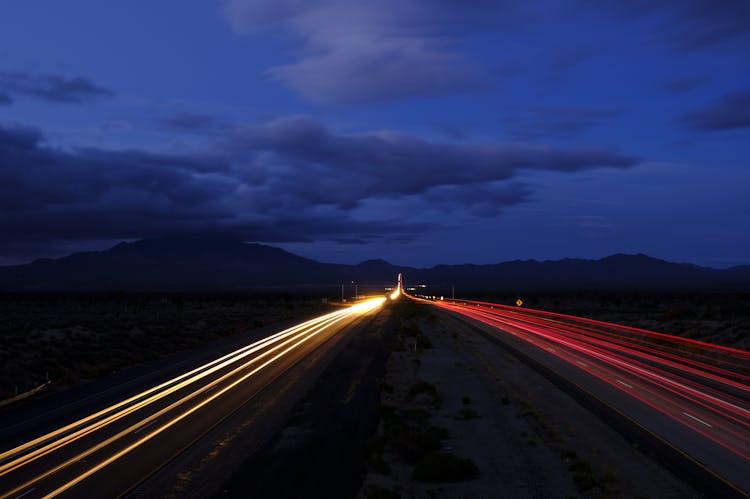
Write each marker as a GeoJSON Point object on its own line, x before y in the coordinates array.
{"type": "Point", "coordinates": [32, 489]}
{"type": "Point", "coordinates": [697, 419]}
{"type": "Point", "coordinates": [145, 426]}
{"type": "Point", "coordinates": [623, 383]}
{"type": "Point", "coordinates": [551, 349]}
{"type": "Point", "coordinates": [580, 363]}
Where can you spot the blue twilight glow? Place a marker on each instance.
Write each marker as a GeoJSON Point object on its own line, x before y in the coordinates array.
{"type": "Point", "coordinates": [421, 132]}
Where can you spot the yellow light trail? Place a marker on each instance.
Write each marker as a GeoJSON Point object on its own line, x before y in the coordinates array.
{"type": "Point", "coordinates": [99, 424]}
{"type": "Point", "coordinates": [305, 331]}
{"type": "Point", "coordinates": [206, 369]}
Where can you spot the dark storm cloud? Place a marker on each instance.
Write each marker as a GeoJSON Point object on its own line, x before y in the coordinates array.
{"type": "Point", "coordinates": [49, 195]}
{"type": "Point", "coordinates": [689, 24]}
{"type": "Point", "coordinates": [480, 200]}
{"type": "Point", "coordinates": [345, 168]}
{"type": "Point", "coordinates": [35, 177]}
{"type": "Point", "coordinates": [291, 179]}
{"type": "Point", "coordinates": [559, 122]}
{"type": "Point", "coordinates": [728, 112]}
{"type": "Point", "coordinates": [369, 51]}
{"type": "Point", "coordinates": [53, 88]}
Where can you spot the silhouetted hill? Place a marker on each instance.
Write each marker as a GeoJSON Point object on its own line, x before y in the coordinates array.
{"type": "Point", "coordinates": [169, 264]}
{"type": "Point", "coordinates": [194, 264]}
{"type": "Point", "coordinates": [616, 272]}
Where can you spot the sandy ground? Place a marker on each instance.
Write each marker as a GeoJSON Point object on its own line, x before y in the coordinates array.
{"type": "Point", "coordinates": [526, 437]}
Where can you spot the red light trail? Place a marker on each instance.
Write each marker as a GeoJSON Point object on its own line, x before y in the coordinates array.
{"type": "Point", "coordinates": [698, 385]}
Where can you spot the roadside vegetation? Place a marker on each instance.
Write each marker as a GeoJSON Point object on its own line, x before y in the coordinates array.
{"type": "Point", "coordinates": [408, 445]}
{"type": "Point", "coordinates": [76, 337]}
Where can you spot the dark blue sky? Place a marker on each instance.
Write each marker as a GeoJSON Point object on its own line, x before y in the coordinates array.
{"type": "Point", "coordinates": [420, 132]}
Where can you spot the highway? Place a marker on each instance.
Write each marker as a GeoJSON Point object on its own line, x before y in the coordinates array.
{"type": "Point", "coordinates": [111, 450]}
{"type": "Point", "coordinates": [692, 395]}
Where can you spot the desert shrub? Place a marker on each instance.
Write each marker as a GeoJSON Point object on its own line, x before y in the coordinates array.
{"type": "Point", "coordinates": [422, 387]}
{"type": "Point", "coordinates": [441, 467]}
{"type": "Point", "coordinates": [378, 464]}
{"type": "Point", "coordinates": [423, 342]}
{"type": "Point", "coordinates": [386, 387]}
{"type": "Point", "coordinates": [375, 445]}
{"type": "Point", "coordinates": [397, 345]}
{"type": "Point", "coordinates": [407, 434]}
{"type": "Point", "coordinates": [583, 475]}
{"type": "Point", "coordinates": [373, 491]}
{"type": "Point", "coordinates": [468, 413]}
{"type": "Point", "coordinates": [426, 390]}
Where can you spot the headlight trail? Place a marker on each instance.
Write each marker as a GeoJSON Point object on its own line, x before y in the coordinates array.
{"type": "Point", "coordinates": [176, 398]}
{"type": "Point", "coordinates": [701, 386]}
{"type": "Point", "coordinates": [102, 418]}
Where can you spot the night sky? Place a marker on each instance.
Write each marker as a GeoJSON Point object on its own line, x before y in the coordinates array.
{"type": "Point", "coordinates": [421, 132]}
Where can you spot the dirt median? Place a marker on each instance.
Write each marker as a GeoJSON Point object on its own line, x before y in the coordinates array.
{"type": "Point", "coordinates": [469, 403]}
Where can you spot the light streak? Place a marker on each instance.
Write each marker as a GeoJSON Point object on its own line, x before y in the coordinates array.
{"type": "Point", "coordinates": [699, 385]}
{"type": "Point", "coordinates": [138, 401]}
{"type": "Point", "coordinates": [697, 419]}
{"type": "Point", "coordinates": [231, 368]}
{"type": "Point", "coordinates": [193, 376]}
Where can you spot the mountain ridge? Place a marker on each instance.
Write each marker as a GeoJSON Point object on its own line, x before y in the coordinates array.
{"type": "Point", "coordinates": [211, 264]}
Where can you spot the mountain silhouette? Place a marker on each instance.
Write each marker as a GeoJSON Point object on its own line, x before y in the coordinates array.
{"type": "Point", "coordinates": [203, 264]}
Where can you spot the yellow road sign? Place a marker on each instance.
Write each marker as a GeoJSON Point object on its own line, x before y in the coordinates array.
{"type": "Point", "coordinates": [519, 302]}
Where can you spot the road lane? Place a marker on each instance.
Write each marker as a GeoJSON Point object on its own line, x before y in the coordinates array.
{"type": "Point", "coordinates": [119, 445]}
{"type": "Point", "coordinates": [693, 395]}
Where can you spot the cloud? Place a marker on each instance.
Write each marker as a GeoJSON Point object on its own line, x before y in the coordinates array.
{"type": "Point", "coordinates": [342, 169]}
{"type": "Point", "coordinates": [291, 179]}
{"type": "Point", "coordinates": [688, 24]}
{"type": "Point", "coordinates": [195, 123]}
{"type": "Point", "coordinates": [560, 122]}
{"type": "Point", "coordinates": [116, 126]}
{"type": "Point", "coordinates": [49, 196]}
{"type": "Point", "coordinates": [728, 112]}
{"type": "Point", "coordinates": [480, 200]}
{"type": "Point", "coordinates": [52, 88]}
{"type": "Point", "coordinates": [371, 51]}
